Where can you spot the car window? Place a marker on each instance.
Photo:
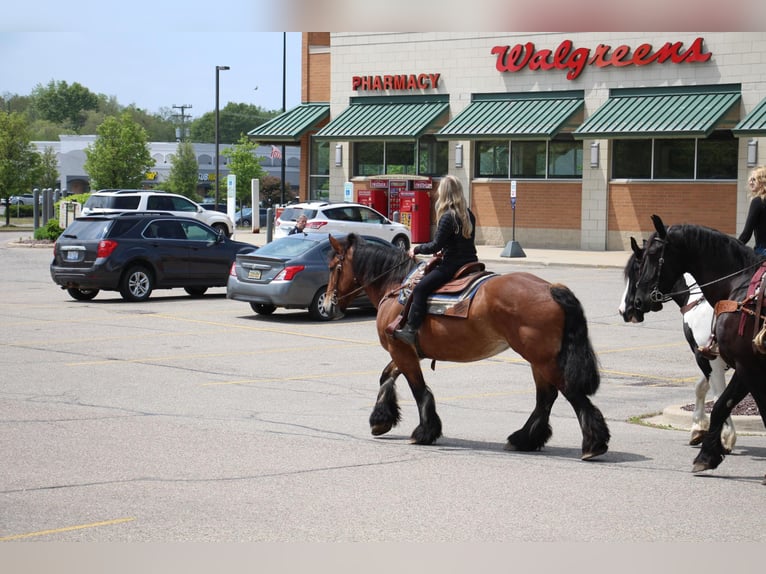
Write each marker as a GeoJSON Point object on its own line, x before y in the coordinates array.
{"type": "Point", "coordinates": [159, 203]}
{"type": "Point", "coordinates": [288, 246]}
{"type": "Point", "coordinates": [87, 229]}
{"type": "Point", "coordinates": [370, 216]}
{"type": "Point", "coordinates": [292, 213]}
{"type": "Point", "coordinates": [196, 232]}
{"type": "Point", "coordinates": [347, 213]}
{"type": "Point", "coordinates": [165, 229]}
{"type": "Point", "coordinates": [182, 204]}
{"type": "Point", "coordinates": [129, 202]}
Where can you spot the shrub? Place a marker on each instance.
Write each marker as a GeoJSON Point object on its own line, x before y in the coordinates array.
{"type": "Point", "coordinates": [51, 231]}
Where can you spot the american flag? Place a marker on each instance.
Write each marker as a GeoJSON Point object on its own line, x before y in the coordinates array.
{"type": "Point", "coordinates": [275, 153]}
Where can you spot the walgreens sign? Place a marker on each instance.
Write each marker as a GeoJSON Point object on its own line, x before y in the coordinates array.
{"type": "Point", "coordinates": [567, 57]}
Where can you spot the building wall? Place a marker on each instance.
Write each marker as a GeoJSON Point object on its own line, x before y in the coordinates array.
{"type": "Point", "coordinates": [467, 66]}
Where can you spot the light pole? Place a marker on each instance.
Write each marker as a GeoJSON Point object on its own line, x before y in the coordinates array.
{"type": "Point", "coordinates": [217, 161]}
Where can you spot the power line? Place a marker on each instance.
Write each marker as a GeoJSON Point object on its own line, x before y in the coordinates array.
{"type": "Point", "coordinates": [181, 133]}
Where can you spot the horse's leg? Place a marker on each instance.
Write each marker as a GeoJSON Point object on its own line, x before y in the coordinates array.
{"type": "Point", "coordinates": [759, 396]}
{"type": "Point", "coordinates": [700, 420]}
{"type": "Point", "coordinates": [430, 426]}
{"type": "Point", "coordinates": [537, 430]}
{"type": "Point", "coordinates": [718, 384]}
{"type": "Point", "coordinates": [386, 413]}
{"type": "Point", "coordinates": [711, 453]}
{"type": "Point", "coordinates": [595, 434]}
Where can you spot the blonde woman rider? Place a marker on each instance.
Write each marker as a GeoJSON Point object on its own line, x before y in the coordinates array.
{"type": "Point", "coordinates": [756, 216]}
{"type": "Point", "coordinates": [455, 238]}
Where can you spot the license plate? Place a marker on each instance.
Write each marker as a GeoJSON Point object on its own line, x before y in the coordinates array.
{"type": "Point", "coordinates": [254, 274]}
{"type": "Point", "coordinates": [72, 256]}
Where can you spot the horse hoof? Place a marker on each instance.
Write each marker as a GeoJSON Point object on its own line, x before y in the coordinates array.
{"type": "Point", "coordinates": [699, 467]}
{"type": "Point", "coordinates": [380, 429]}
{"type": "Point", "coordinates": [697, 437]}
{"type": "Point", "coordinates": [594, 453]}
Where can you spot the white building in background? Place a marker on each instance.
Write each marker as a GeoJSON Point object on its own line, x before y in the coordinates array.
{"type": "Point", "coordinates": [70, 152]}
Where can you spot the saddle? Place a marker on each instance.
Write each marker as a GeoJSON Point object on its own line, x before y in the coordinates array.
{"type": "Point", "coordinates": [453, 299]}
{"type": "Point", "coordinates": [751, 305]}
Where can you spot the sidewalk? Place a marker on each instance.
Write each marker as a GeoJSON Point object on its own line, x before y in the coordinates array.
{"type": "Point", "coordinates": [494, 253]}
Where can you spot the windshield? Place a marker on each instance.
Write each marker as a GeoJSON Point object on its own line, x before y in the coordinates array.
{"type": "Point", "coordinates": [291, 246]}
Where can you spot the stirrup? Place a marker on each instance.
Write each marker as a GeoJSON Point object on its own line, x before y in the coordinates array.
{"type": "Point", "coordinates": [406, 334]}
{"type": "Point", "coordinates": [710, 350]}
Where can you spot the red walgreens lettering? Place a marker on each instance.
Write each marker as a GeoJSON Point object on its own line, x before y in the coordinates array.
{"type": "Point", "coordinates": [520, 56]}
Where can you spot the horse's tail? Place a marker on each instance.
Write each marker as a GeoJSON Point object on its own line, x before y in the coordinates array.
{"type": "Point", "coordinates": [576, 359]}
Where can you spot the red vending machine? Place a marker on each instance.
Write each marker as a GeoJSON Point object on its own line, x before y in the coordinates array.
{"type": "Point", "coordinates": [375, 198]}
{"type": "Point", "coordinates": [415, 205]}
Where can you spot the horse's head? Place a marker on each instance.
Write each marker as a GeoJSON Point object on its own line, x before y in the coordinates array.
{"type": "Point", "coordinates": [659, 269]}
{"type": "Point", "coordinates": [627, 307]}
{"type": "Point", "coordinates": [342, 281]}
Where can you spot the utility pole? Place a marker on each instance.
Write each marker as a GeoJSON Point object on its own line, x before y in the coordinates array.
{"type": "Point", "coordinates": [181, 134]}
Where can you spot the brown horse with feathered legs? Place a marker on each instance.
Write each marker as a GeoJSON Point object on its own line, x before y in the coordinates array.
{"type": "Point", "coordinates": [543, 322]}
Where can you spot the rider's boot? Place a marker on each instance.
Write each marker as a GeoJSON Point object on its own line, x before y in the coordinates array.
{"type": "Point", "coordinates": [408, 333]}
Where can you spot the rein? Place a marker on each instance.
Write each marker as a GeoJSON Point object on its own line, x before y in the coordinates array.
{"type": "Point", "coordinates": [657, 296]}
{"type": "Point", "coordinates": [361, 287]}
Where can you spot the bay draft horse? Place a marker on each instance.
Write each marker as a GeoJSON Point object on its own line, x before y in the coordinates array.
{"type": "Point", "coordinates": [697, 321]}
{"type": "Point", "coordinates": [723, 267]}
{"type": "Point", "coordinates": [543, 322]}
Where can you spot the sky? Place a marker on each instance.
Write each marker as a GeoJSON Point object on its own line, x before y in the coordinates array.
{"type": "Point", "coordinates": [163, 53]}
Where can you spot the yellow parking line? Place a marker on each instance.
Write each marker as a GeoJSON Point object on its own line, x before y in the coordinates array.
{"type": "Point", "coordinates": [65, 529]}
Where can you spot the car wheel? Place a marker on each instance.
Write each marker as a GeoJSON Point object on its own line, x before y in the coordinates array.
{"type": "Point", "coordinates": [136, 284]}
{"type": "Point", "coordinates": [195, 291]}
{"type": "Point", "coordinates": [401, 242]}
{"type": "Point", "coordinates": [316, 310]}
{"type": "Point", "coordinates": [222, 227]}
{"type": "Point", "coordinates": [262, 308]}
{"type": "Point", "coordinates": [82, 294]}
{"type": "Point", "coordinates": [245, 223]}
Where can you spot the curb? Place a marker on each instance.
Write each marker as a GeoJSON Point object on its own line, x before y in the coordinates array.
{"type": "Point", "coordinates": [678, 418]}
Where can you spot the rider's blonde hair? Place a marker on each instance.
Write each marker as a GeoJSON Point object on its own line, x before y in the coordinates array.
{"type": "Point", "coordinates": [759, 174]}
{"type": "Point", "coordinates": [451, 199]}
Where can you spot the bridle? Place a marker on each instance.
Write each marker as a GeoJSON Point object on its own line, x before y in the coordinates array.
{"type": "Point", "coordinates": [657, 296]}
{"type": "Point", "coordinates": [360, 286]}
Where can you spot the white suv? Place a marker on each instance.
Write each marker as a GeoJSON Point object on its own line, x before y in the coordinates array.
{"type": "Point", "coordinates": [114, 200]}
{"type": "Point", "coordinates": [344, 217]}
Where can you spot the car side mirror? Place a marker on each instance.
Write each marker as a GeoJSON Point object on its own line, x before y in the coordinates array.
{"type": "Point", "coordinates": [220, 236]}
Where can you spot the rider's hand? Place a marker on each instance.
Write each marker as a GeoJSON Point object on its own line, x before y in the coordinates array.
{"type": "Point", "coordinates": [412, 252]}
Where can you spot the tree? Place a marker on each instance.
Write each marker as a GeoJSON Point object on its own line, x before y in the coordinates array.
{"type": "Point", "coordinates": [19, 161]}
{"type": "Point", "coordinates": [184, 171]}
{"type": "Point", "coordinates": [271, 190]}
{"type": "Point", "coordinates": [49, 169]}
{"type": "Point", "coordinates": [64, 104]}
{"type": "Point", "coordinates": [120, 157]}
{"type": "Point", "coordinates": [233, 121]}
{"type": "Point", "coordinates": [245, 165]}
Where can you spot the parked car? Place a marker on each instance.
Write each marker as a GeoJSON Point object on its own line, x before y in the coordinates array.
{"type": "Point", "coordinates": [342, 218]}
{"type": "Point", "coordinates": [136, 253]}
{"type": "Point", "coordinates": [24, 199]}
{"type": "Point", "coordinates": [116, 200]}
{"type": "Point", "coordinates": [210, 206]}
{"type": "Point", "coordinates": [244, 217]}
{"type": "Point", "coordinates": [290, 272]}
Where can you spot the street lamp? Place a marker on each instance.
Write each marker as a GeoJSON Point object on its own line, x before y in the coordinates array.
{"type": "Point", "coordinates": [217, 162]}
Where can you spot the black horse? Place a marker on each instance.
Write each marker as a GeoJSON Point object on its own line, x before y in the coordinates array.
{"type": "Point", "coordinates": [723, 267]}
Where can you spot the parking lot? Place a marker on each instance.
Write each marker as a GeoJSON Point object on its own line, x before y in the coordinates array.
{"type": "Point", "coordinates": [181, 419]}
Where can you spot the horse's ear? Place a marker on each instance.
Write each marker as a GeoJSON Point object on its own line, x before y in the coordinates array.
{"type": "Point", "coordinates": [335, 244]}
{"type": "Point", "coordinates": [636, 249]}
{"type": "Point", "coordinates": [659, 226]}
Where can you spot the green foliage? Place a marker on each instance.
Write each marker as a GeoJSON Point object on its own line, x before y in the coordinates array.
{"type": "Point", "coordinates": [234, 121]}
{"type": "Point", "coordinates": [51, 231]}
{"type": "Point", "coordinates": [245, 165]}
{"type": "Point", "coordinates": [271, 190]}
{"type": "Point", "coordinates": [120, 156]}
{"type": "Point", "coordinates": [183, 172]}
{"type": "Point", "coordinates": [49, 171]}
{"type": "Point", "coordinates": [20, 164]}
{"type": "Point", "coordinates": [64, 104]}
{"type": "Point", "coordinates": [80, 198]}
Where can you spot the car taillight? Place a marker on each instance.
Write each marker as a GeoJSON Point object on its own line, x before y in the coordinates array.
{"type": "Point", "coordinates": [289, 272]}
{"type": "Point", "coordinates": [233, 270]}
{"type": "Point", "coordinates": [316, 224]}
{"type": "Point", "coordinates": [105, 248]}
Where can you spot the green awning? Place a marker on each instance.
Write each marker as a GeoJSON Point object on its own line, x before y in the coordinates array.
{"type": "Point", "coordinates": [538, 116]}
{"type": "Point", "coordinates": [754, 123]}
{"type": "Point", "coordinates": [670, 112]}
{"type": "Point", "coordinates": [392, 121]}
{"type": "Point", "coordinates": [292, 125]}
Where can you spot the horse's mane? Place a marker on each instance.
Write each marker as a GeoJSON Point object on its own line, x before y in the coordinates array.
{"type": "Point", "coordinates": [716, 245]}
{"type": "Point", "coordinates": [374, 262]}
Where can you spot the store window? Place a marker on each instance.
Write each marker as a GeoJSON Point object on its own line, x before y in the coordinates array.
{"type": "Point", "coordinates": [425, 157]}
{"type": "Point", "coordinates": [714, 157]}
{"type": "Point", "coordinates": [559, 158]}
{"type": "Point", "coordinates": [319, 170]}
